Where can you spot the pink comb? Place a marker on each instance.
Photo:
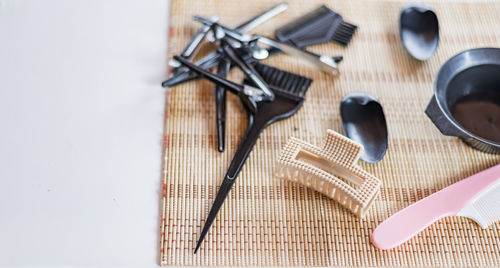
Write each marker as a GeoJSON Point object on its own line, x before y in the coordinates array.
{"type": "Point", "coordinates": [476, 197]}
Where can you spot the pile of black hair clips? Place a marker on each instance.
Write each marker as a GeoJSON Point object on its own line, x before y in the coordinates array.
{"type": "Point", "coordinates": [267, 93]}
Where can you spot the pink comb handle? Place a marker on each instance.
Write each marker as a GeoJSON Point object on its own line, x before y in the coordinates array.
{"type": "Point", "coordinates": [408, 222]}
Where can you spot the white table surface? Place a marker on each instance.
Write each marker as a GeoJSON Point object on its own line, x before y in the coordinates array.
{"type": "Point", "coordinates": [81, 114]}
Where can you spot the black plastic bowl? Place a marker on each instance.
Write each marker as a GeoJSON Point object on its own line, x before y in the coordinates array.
{"type": "Point", "coordinates": [466, 99]}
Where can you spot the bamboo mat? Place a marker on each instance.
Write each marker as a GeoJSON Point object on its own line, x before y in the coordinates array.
{"type": "Point", "coordinates": [269, 221]}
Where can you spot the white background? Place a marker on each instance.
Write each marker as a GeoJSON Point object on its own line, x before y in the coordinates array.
{"type": "Point", "coordinates": [81, 127]}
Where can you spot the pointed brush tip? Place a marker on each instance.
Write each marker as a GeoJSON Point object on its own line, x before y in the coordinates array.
{"type": "Point", "coordinates": [197, 246]}
{"type": "Point", "coordinates": [200, 240]}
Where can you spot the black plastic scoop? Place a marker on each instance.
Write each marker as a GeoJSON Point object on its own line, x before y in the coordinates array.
{"type": "Point", "coordinates": [363, 120]}
{"type": "Point", "coordinates": [419, 30]}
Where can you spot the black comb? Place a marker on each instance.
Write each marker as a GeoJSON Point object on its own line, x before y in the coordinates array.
{"type": "Point", "coordinates": [318, 26]}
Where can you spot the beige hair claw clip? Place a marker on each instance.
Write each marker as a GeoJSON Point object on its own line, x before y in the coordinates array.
{"type": "Point", "coordinates": [331, 170]}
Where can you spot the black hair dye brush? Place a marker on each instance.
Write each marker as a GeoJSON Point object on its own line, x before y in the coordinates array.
{"type": "Point", "coordinates": [318, 26]}
{"type": "Point", "coordinates": [261, 114]}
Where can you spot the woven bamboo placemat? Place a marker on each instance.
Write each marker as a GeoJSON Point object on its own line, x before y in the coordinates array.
{"type": "Point", "coordinates": [268, 221]}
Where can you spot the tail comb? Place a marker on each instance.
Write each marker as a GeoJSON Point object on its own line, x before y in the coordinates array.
{"type": "Point", "coordinates": [331, 170]}
{"type": "Point", "coordinates": [318, 26]}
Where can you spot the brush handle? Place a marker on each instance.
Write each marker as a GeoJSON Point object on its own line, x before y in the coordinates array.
{"type": "Point", "coordinates": [408, 222]}
{"type": "Point", "coordinates": [244, 148]}
{"type": "Point", "coordinates": [220, 105]}
{"type": "Point", "coordinates": [247, 142]}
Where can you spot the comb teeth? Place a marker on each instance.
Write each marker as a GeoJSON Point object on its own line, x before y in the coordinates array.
{"type": "Point", "coordinates": [287, 81]}
{"type": "Point", "coordinates": [330, 170]}
{"type": "Point", "coordinates": [484, 208]}
{"type": "Point", "coordinates": [344, 33]}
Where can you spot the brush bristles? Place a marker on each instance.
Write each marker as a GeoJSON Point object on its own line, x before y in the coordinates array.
{"type": "Point", "coordinates": [318, 26]}
{"type": "Point", "coordinates": [344, 33]}
{"type": "Point", "coordinates": [288, 81]}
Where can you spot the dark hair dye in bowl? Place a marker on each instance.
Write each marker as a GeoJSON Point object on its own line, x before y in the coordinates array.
{"type": "Point", "coordinates": [479, 113]}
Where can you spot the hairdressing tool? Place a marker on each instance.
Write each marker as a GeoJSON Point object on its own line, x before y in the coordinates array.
{"type": "Point", "coordinates": [240, 90]}
{"type": "Point", "coordinates": [287, 101]}
{"type": "Point", "coordinates": [220, 104]}
{"type": "Point", "coordinates": [363, 120]}
{"type": "Point", "coordinates": [193, 44]}
{"type": "Point", "coordinates": [196, 40]}
{"type": "Point", "coordinates": [318, 26]}
{"type": "Point", "coordinates": [283, 79]}
{"type": "Point", "coordinates": [183, 74]}
{"type": "Point", "coordinates": [466, 100]}
{"type": "Point", "coordinates": [330, 170]}
{"type": "Point", "coordinates": [223, 68]}
{"type": "Point", "coordinates": [419, 30]}
{"type": "Point", "coordinates": [249, 71]}
{"type": "Point", "coordinates": [476, 197]}
{"type": "Point", "coordinates": [226, 47]}
{"type": "Point", "coordinates": [324, 63]}
{"type": "Point", "coordinates": [261, 18]}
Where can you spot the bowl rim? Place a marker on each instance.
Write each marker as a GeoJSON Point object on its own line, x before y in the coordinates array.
{"type": "Point", "coordinates": [459, 70]}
